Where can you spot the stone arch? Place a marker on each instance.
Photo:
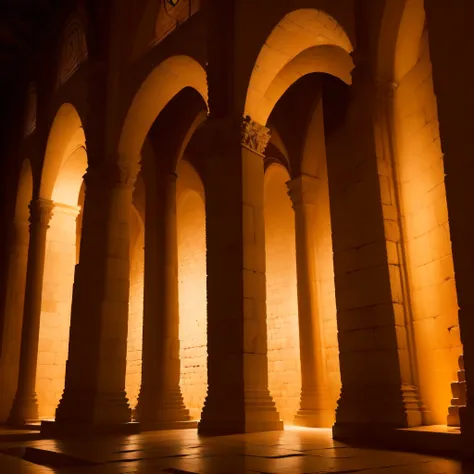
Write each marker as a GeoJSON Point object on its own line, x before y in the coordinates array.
{"type": "Point", "coordinates": [404, 60]}
{"type": "Point", "coordinates": [73, 49]}
{"type": "Point", "coordinates": [64, 166]}
{"type": "Point", "coordinates": [65, 137]}
{"type": "Point", "coordinates": [11, 317]}
{"type": "Point", "coordinates": [400, 35]}
{"type": "Point", "coordinates": [191, 231]}
{"type": "Point", "coordinates": [161, 85]}
{"type": "Point", "coordinates": [305, 40]}
{"type": "Point", "coordinates": [284, 370]}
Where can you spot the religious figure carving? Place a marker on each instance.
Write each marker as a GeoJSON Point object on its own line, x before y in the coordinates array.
{"type": "Point", "coordinates": [254, 136]}
{"type": "Point", "coordinates": [73, 51]}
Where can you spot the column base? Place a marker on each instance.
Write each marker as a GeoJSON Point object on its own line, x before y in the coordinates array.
{"type": "Point", "coordinates": [55, 429]}
{"type": "Point", "coordinates": [254, 413]}
{"type": "Point", "coordinates": [93, 409]}
{"type": "Point", "coordinates": [377, 409]}
{"type": "Point", "coordinates": [316, 410]}
{"type": "Point", "coordinates": [24, 411]}
{"type": "Point", "coordinates": [168, 425]}
{"type": "Point", "coordinates": [314, 418]}
{"type": "Point", "coordinates": [156, 409]}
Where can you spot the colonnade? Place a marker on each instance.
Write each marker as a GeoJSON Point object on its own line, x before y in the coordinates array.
{"type": "Point", "coordinates": [238, 397]}
{"type": "Point", "coordinates": [373, 279]}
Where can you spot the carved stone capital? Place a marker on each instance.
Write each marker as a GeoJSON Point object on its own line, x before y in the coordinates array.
{"type": "Point", "coordinates": [302, 190]}
{"type": "Point", "coordinates": [41, 212]}
{"type": "Point", "coordinates": [114, 173]}
{"type": "Point", "coordinates": [254, 136]}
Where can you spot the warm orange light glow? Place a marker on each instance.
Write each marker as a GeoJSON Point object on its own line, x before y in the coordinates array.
{"type": "Point", "coordinates": [64, 167]}
{"type": "Point", "coordinates": [55, 308]}
{"type": "Point", "coordinates": [135, 318]}
{"type": "Point", "coordinates": [304, 36]}
{"type": "Point", "coordinates": [192, 289]}
{"type": "Point", "coordinates": [284, 372]}
{"type": "Point", "coordinates": [429, 262]}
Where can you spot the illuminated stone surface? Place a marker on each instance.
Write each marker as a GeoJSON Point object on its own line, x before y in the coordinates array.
{"type": "Point", "coordinates": [242, 214]}
{"type": "Point", "coordinates": [290, 451]}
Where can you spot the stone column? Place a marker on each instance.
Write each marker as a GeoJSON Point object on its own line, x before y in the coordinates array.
{"type": "Point", "coordinates": [315, 406]}
{"type": "Point", "coordinates": [25, 407]}
{"type": "Point", "coordinates": [94, 398]}
{"type": "Point", "coordinates": [160, 404]}
{"type": "Point", "coordinates": [10, 332]}
{"type": "Point", "coordinates": [450, 29]}
{"type": "Point", "coordinates": [378, 392]}
{"type": "Point", "coordinates": [238, 399]}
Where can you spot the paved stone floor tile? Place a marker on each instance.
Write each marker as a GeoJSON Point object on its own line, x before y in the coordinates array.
{"type": "Point", "coordinates": [184, 452]}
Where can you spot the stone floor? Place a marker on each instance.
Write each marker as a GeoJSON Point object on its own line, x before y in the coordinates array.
{"type": "Point", "coordinates": [184, 452]}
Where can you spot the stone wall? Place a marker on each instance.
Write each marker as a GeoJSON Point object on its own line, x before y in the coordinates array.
{"type": "Point", "coordinates": [427, 237]}
{"type": "Point", "coordinates": [58, 281]}
{"type": "Point", "coordinates": [192, 301]}
{"type": "Point", "coordinates": [284, 372]}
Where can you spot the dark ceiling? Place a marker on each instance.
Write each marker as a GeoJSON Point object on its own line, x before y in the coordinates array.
{"type": "Point", "coordinates": [21, 23]}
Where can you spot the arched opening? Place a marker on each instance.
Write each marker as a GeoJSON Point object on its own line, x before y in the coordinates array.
{"type": "Point", "coordinates": [62, 180]}
{"type": "Point", "coordinates": [420, 174]}
{"type": "Point", "coordinates": [11, 322]}
{"type": "Point", "coordinates": [174, 92]}
{"type": "Point", "coordinates": [319, 44]}
{"type": "Point", "coordinates": [191, 227]}
{"type": "Point", "coordinates": [284, 371]}
{"type": "Point", "coordinates": [288, 81]}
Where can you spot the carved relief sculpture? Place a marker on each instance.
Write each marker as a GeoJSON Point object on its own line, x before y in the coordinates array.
{"type": "Point", "coordinates": [73, 50]}
{"type": "Point", "coordinates": [254, 136]}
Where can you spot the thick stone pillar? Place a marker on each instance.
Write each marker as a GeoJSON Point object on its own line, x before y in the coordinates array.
{"type": "Point", "coordinates": [94, 398]}
{"type": "Point", "coordinates": [238, 399]}
{"type": "Point", "coordinates": [315, 405]}
{"type": "Point", "coordinates": [378, 392]}
{"type": "Point", "coordinates": [14, 305]}
{"type": "Point", "coordinates": [160, 404]}
{"type": "Point", "coordinates": [25, 407]}
{"type": "Point", "coordinates": [450, 29]}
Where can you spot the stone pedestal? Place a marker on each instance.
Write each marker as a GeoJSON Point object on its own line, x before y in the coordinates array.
{"type": "Point", "coordinates": [160, 403]}
{"type": "Point", "coordinates": [459, 395]}
{"type": "Point", "coordinates": [25, 407]}
{"type": "Point", "coordinates": [315, 405]}
{"type": "Point", "coordinates": [94, 395]}
{"type": "Point", "coordinates": [238, 399]}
